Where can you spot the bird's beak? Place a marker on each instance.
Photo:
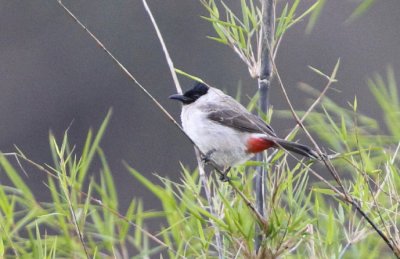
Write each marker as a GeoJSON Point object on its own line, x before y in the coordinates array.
{"type": "Point", "coordinates": [180, 97]}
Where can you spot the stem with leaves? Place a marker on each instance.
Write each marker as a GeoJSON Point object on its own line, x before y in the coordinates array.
{"type": "Point", "coordinates": [341, 191]}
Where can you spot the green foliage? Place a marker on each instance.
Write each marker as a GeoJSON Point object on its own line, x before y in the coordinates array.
{"type": "Point", "coordinates": [81, 215]}
{"type": "Point", "coordinates": [243, 32]}
{"type": "Point", "coordinates": [362, 7]}
{"type": "Point", "coordinates": [305, 218]}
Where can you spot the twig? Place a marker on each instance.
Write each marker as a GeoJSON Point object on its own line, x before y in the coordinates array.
{"type": "Point", "coordinates": [264, 82]}
{"type": "Point", "coordinates": [331, 80]}
{"type": "Point", "coordinates": [261, 219]}
{"type": "Point", "coordinates": [379, 187]}
{"type": "Point", "coordinates": [75, 223]}
{"type": "Point", "coordinates": [164, 47]}
{"type": "Point", "coordinates": [94, 200]}
{"type": "Point", "coordinates": [122, 67]}
{"type": "Point", "coordinates": [346, 197]}
{"type": "Point", "coordinates": [207, 191]}
{"type": "Point", "coordinates": [61, 176]}
{"type": "Point", "coordinates": [163, 110]}
{"type": "Point", "coordinates": [197, 151]}
{"type": "Point", "coordinates": [366, 179]}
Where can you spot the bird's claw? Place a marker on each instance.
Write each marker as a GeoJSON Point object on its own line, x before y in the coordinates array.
{"type": "Point", "coordinates": [206, 158]}
{"type": "Point", "coordinates": [224, 178]}
{"type": "Point", "coordinates": [224, 175]}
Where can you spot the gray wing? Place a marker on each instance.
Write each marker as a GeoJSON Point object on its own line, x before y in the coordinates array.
{"type": "Point", "coordinates": [241, 120]}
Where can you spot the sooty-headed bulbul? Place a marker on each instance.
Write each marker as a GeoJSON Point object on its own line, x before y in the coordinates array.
{"type": "Point", "coordinates": [226, 133]}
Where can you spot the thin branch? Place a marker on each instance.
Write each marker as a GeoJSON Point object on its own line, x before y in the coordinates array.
{"type": "Point", "coordinates": [366, 179]}
{"type": "Point", "coordinates": [94, 200]}
{"type": "Point", "coordinates": [164, 47]}
{"type": "Point", "coordinates": [122, 67]}
{"type": "Point", "coordinates": [61, 176]}
{"type": "Point", "coordinates": [207, 191]}
{"type": "Point", "coordinates": [347, 197]}
{"type": "Point", "coordinates": [249, 204]}
{"type": "Point", "coordinates": [260, 218]}
{"type": "Point", "coordinates": [75, 223]}
{"type": "Point", "coordinates": [197, 151]}
{"type": "Point", "coordinates": [163, 110]}
{"type": "Point", "coordinates": [331, 80]}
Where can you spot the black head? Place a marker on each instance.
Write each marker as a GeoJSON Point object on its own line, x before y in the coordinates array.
{"type": "Point", "coordinates": [191, 95]}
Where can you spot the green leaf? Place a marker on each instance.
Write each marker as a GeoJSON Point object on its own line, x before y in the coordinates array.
{"type": "Point", "coordinates": [340, 214]}
{"type": "Point", "coordinates": [201, 231]}
{"type": "Point", "coordinates": [292, 10]}
{"type": "Point", "coordinates": [138, 222]}
{"type": "Point", "coordinates": [330, 232]}
{"type": "Point", "coordinates": [219, 40]}
{"type": "Point", "coordinates": [58, 206]}
{"type": "Point", "coordinates": [124, 228]}
{"type": "Point", "coordinates": [87, 203]}
{"type": "Point", "coordinates": [355, 104]}
{"type": "Point", "coordinates": [315, 15]}
{"type": "Point", "coordinates": [181, 72]}
{"type": "Point", "coordinates": [109, 181]}
{"type": "Point", "coordinates": [332, 78]}
{"type": "Point", "coordinates": [93, 148]}
{"type": "Point", "coordinates": [319, 72]}
{"type": "Point", "coordinates": [331, 121]}
{"type": "Point", "coordinates": [304, 14]}
{"type": "Point", "coordinates": [16, 179]}
{"type": "Point", "coordinates": [155, 189]}
{"type": "Point", "coordinates": [281, 22]}
{"type": "Point", "coordinates": [361, 8]}
{"type": "Point", "coordinates": [1, 247]}
{"type": "Point", "coordinates": [343, 128]}
{"type": "Point", "coordinates": [245, 14]}
{"type": "Point", "coordinates": [392, 85]}
{"type": "Point", "coordinates": [324, 191]}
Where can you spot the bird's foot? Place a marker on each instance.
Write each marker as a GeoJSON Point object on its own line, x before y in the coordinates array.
{"type": "Point", "coordinates": [224, 175]}
{"type": "Point", "coordinates": [206, 158]}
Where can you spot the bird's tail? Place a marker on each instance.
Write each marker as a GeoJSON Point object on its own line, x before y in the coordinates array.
{"type": "Point", "coordinates": [298, 148]}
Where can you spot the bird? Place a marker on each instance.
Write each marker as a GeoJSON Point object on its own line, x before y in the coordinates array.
{"type": "Point", "coordinates": [225, 132]}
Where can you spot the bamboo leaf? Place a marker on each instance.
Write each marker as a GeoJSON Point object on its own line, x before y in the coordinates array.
{"type": "Point", "coordinates": [292, 11]}
{"type": "Point", "coordinates": [330, 232]}
{"type": "Point", "coordinates": [16, 179]}
{"type": "Point", "coordinates": [281, 22]}
{"type": "Point", "coordinates": [361, 8]}
{"type": "Point", "coordinates": [195, 78]}
{"type": "Point", "coordinates": [139, 222]}
{"type": "Point", "coordinates": [93, 148]}
{"type": "Point", "coordinates": [245, 15]}
{"type": "Point", "coordinates": [315, 15]}
{"type": "Point", "coordinates": [319, 72]}
{"type": "Point", "coordinates": [1, 247]}
{"type": "Point", "coordinates": [392, 85]}
{"type": "Point", "coordinates": [155, 189]}
{"type": "Point", "coordinates": [219, 40]}
{"type": "Point", "coordinates": [109, 181]}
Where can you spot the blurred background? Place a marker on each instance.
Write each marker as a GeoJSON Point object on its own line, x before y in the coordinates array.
{"type": "Point", "coordinates": [53, 74]}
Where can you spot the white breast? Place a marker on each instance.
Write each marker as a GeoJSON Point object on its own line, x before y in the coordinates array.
{"type": "Point", "coordinates": [225, 146]}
